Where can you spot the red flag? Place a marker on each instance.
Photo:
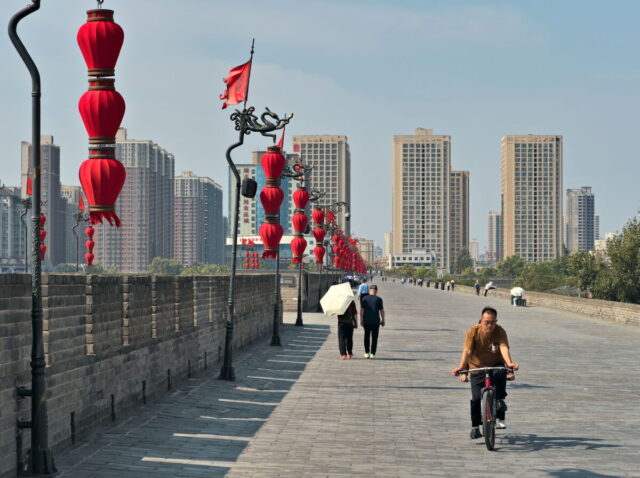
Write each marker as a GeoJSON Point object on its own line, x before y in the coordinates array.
{"type": "Point", "coordinates": [281, 142]}
{"type": "Point", "coordinates": [237, 85]}
{"type": "Point", "coordinates": [29, 192]}
{"type": "Point", "coordinates": [80, 203]}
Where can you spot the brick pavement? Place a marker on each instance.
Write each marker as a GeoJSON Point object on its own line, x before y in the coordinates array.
{"type": "Point", "coordinates": [298, 411]}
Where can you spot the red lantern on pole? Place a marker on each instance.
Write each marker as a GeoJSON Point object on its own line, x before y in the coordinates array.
{"type": "Point", "coordinates": [319, 252]}
{"type": "Point", "coordinates": [89, 232]}
{"type": "Point", "coordinates": [271, 197]}
{"type": "Point", "coordinates": [102, 109]}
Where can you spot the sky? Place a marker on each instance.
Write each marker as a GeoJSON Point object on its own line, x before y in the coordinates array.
{"type": "Point", "coordinates": [368, 69]}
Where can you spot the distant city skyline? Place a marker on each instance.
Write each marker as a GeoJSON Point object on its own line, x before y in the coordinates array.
{"type": "Point", "coordinates": [509, 46]}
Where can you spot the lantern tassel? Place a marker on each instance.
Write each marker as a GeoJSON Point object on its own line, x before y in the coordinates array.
{"type": "Point", "coordinates": [111, 217]}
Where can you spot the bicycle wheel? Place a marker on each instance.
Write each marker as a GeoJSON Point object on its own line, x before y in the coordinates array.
{"type": "Point", "coordinates": [488, 419]}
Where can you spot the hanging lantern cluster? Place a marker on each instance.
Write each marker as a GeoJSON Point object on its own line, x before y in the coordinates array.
{"type": "Point", "coordinates": [271, 198]}
{"type": "Point", "coordinates": [299, 222]}
{"type": "Point", "coordinates": [43, 236]}
{"type": "Point", "coordinates": [251, 260]}
{"type": "Point", "coordinates": [102, 108]}
{"type": "Point", "coordinates": [346, 254]}
{"type": "Point", "coordinates": [319, 232]}
{"type": "Point", "coordinates": [89, 232]}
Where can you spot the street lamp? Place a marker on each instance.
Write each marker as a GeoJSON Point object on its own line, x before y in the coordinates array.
{"type": "Point", "coordinates": [246, 122]}
{"type": "Point", "coordinates": [42, 462]}
{"type": "Point", "coordinates": [79, 217]}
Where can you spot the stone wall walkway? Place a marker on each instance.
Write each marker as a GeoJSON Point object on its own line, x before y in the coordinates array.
{"type": "Point", "coordinates": [298, 411]}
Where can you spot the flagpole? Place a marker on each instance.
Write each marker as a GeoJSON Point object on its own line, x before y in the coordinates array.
{"type": "Point", "coordinates": [246, 96]}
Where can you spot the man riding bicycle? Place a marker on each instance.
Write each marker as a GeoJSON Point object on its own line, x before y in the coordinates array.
{"type": "Point", "coordinates": [486, 345]}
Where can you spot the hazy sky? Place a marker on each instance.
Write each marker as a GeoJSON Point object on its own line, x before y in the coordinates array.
{"type": "Point", "coordinates": [475, 70]}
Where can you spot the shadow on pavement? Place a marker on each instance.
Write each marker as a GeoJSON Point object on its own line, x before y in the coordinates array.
{"type": "Point", "coordinates": [524, 386]}
{"type": "Point", "coordinates": [575, 473]}
{"type": "Point", "coordinates": [206, 424]}
{"type": "Point", "coordinates": [533, 442]}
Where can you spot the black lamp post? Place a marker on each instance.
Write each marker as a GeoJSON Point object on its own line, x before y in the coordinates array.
{"type": "Point", "coordinates": [26, 205]}
{"type": "Point", "coordinates": [42, 462]}
{"type": "Point", "coordinates": [246, 122]}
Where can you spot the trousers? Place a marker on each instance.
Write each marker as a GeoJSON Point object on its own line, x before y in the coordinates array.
{"type": "Point", "coordinates": [499, 381]}
{"type": "Point", "coordinates": [371, 338]}
{"type": "Point", "coordinates": [345, 338]}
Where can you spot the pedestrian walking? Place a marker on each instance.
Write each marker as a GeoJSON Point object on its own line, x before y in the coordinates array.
{"type": "Point", "coordinates": [363, 290]}
{"type": "Point", "coordinates": [453, 284]}
{"type": "Point", "coordinates": [477, 287]}
{"type": "Point", "coordinates": [489, 286]}
{"type": "Point", "coordinates": [371, 319]}
{"type": "Point", "coordinates": [448, 285]}
{"type": "Point", "coordinates": [346, 323]}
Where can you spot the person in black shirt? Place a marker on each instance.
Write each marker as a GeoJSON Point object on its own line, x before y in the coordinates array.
{"type": "Point", "coordinates": [371, 318]}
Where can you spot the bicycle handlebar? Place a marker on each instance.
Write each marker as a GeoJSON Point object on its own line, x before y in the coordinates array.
{"type": "Point", "coordinates": [483, 369]}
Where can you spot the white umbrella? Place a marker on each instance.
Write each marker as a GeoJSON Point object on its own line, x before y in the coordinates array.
{"type": "Point", "coordinates": [517, 291]}
{"type": "Point", "coordinates": [337, 299]}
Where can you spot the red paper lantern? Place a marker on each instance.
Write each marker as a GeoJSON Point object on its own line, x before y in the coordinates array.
{"type": "Point", "coordinates": [271, 199]}
{"type": "Point", "coordinates": [88, 257]}
{"type": "Point", "coordinates": [90, 245]}
{"type": "Point", "coordinates": [330, 216]}
{"type": "Point", "coordinates": [102, 181]}
{"type": "Point", "coordinates": [43, 251]}
{"type": "Point", "coordinates": [89, 231]}
{"type": "Point", "coordinates": [43, 235]}
{"type": "Point", "coordinates": [102, 109]}
{"type": "Point", "coordinates": [43, 220]}
{"type": "Point", "coordinates": [100, 41]}
{"type": "Point", "coordinates": [319, 252]}
{"type": "Point", "coordinates": [273, 162]}
{"type": "Point", "coordinates": [318, 234]}
{"type": "Point", "coordinates": [299, 222]}
{"type": "Point", "coordinates": [300, 197]}
{"type": "Point", "coordinates": [318, 216]}
{"type": "Point", "coordinates": [336, 238]}
{"type": "Point", "coordinates": [271, 234]}
{"type": "Point", "coordinates": [298, 246]}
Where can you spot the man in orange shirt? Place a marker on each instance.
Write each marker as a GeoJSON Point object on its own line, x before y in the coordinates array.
{"type": "Point", "coordinates": [486, 345]}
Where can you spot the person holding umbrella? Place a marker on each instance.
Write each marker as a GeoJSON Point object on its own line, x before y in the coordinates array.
{"type": "Point", "coordinates": [339, 300]}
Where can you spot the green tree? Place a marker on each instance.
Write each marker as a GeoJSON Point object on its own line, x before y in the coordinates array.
{"type": "Point", "coordinates": [406, 270]}
{"type": "Point", "coordinates": [511, 266]}
{"type": "Point", "coordinates": [622, 283]}
{"type": "Point", "coordinates": [464, 260]}
{"type": "Point", "coordinates": [487, 272]}
{"type": "Point", "coordinates": [584, 267]}
{"type": "Point", "coordinates": [160, 265]}
{"type": "Point", "coordinates": [469, 272]}
{"type": "Point", "coordinates": [541, 277]}
{"type": "Point", "coordinates": [201, 269]}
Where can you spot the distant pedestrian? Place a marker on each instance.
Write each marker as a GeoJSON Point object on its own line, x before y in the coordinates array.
{"type": "Point", "coordinates": [489, 286]}
{"type": "Point", "coordinates": [371, 318]}
{"type": "Point", "coordinates": [453, 284]}
{"type": "Point", "coordinates": [448, 285]}
{"type": "Point", "coordinates": [477, 287]}
{"type": "Point", "coordinates": [346, 323]}
{"type": "Point", "coordinates": [363, 290]}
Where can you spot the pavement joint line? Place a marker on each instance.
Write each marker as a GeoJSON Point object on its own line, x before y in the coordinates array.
{"type": "Point", "coordinates": [212, 437]}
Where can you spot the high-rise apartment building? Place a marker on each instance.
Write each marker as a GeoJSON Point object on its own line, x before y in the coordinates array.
{"type": "Point", "coordinates": [596, 227]}
{"type": "Point", "coordinates": [71, 198]}
{"type": "Point", "coordinates": [198, 227]}
{"type": "Point", "coordinates": [388, 244]}
{"type": "Point", "coordinates": [366, 247]}
{"type": "Point", "coordinates": [494, 240]}
{"type": "Point", "coordinates": [430, 202]}
{"type": "Point", "coordinates": [247, 218]}
{"type": "Point", "coordinates": [580, 214]}
{"type": "Point", "coordinates": [459, 214]}
{"type": "Point", "coordinates": [474, 249]}
{"type": "Point", "coordinates": [52, 205]}
{"type": "Point", "coordinates": [532, 196]}
{"type": "Point", "coordinates": [145, 208]}
{"type": "Point", "coordinates": [13, 233]}
{"type": "Point", "coordinates": [330, 157]}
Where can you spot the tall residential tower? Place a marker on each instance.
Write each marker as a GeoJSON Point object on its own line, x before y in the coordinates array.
{"type": "Point", "coordinates": [580, 216]}
{"type": "Point", "coordinates": [532, 196]}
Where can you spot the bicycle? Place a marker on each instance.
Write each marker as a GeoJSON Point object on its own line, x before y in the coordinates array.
{"type": "Point", "coordinates": [488, 404]}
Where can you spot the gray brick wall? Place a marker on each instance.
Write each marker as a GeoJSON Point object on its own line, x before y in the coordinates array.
{"type": "Point", "coordinates": [109, 337]}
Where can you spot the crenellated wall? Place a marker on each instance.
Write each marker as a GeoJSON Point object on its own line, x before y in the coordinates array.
{"type": "Point", "coordinates": [114, 341]}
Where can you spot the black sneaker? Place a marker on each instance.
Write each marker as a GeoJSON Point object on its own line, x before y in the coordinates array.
{"type": "Point", "coordinates": [501, 406]}
{"type": "Point", "coordinates": [475, 433]}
